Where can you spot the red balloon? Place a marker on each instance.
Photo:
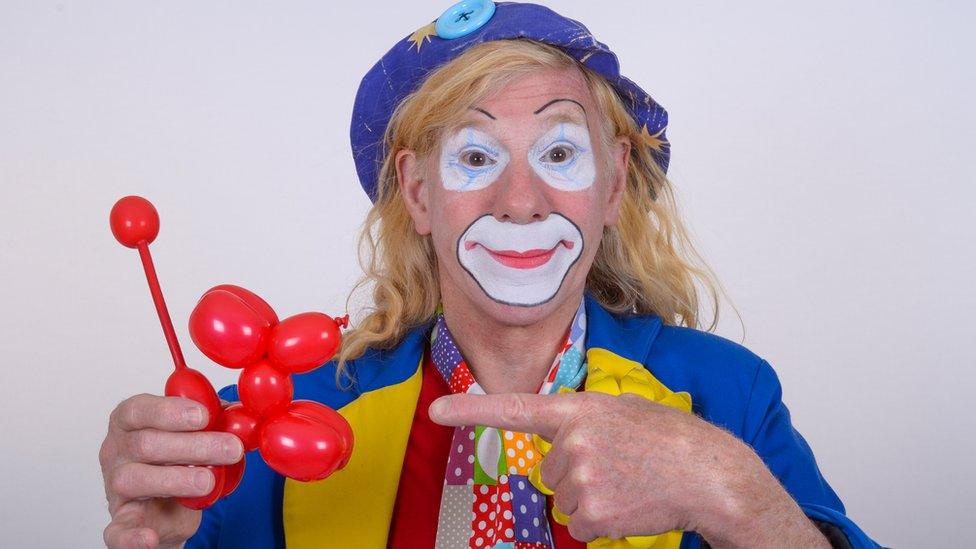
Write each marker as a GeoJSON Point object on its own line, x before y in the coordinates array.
{"type": "Point", "coordinates": [133, 220]}
{"type": "Point", "coordinates": [227, 330]}
{"type": "Point", "coordinates": [328, 416]}
{"type": "Point", "coordinates": [191, 384]}
{"type": "Point", "coordinates": [299, 447]}
{"type": "Point", "coordinates": [264, 390]}
{"type": "Point", "coordinates": [235, 419]}
{"type": "Point", "coordinates": [304, 342]}
{"type": "Point", "coordinates": [203, 502]}
{"type": "Point", "coordinates": [252, 299]}
{"type": "Point", "coordinates": [233, 476]}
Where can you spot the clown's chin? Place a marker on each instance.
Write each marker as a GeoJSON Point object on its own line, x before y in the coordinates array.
{"type": "Point", "coordinates": [521, 278]}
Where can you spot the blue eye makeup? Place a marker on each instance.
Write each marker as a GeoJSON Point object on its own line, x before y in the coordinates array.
{"type": "Point", "coordinates": [471, 160]}
{"type": "Point", "coordinates": [563, 157]}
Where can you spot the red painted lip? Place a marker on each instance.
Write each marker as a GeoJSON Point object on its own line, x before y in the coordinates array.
{"type": "Point", "coordinates": [529, 259]}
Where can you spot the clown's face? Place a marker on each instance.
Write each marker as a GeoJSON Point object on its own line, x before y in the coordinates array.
{"type": "Point", "coordinates": [516, 199]}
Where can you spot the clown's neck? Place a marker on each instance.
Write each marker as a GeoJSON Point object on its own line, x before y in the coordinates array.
{"type": "Point", "coordinates": [504, 358]}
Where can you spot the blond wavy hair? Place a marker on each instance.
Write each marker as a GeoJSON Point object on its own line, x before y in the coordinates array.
{"type": "Point", "coordinates": [646, 263]}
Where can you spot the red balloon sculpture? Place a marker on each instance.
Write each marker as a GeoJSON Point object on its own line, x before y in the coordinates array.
{"type": "Point", "coordinates": [235, 328]}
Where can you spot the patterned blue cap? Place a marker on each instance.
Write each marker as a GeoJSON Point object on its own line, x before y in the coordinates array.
{"type": "Point", "coordinates": [403, 69]}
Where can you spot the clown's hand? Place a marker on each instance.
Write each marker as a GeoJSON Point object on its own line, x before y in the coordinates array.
{"type": "Point", "coordinates": [146, 435]}
{"type": "Point", "coordinates": [624, 466]}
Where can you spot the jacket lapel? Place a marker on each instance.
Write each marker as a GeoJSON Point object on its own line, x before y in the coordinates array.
{"type": "Point", "coordinates": [353, 507]}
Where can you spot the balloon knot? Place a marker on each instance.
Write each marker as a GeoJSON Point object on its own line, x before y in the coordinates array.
{"type": "Point", "coordinates": [343, 321]}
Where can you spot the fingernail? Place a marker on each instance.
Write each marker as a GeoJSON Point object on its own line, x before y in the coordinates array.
{"type": "Point", "coordinates": [440, 407]}
{"type": "Point", "coordinates": [233, 448]}
{"type": "Point", "coordinates": [203, 480]}
{"type": "Point", "coordinates": [193, 416]}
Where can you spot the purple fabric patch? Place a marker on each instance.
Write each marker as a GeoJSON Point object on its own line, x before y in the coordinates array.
{"type": "Point", "coordinates": [460, 469]}
{"type": "Point", "coordinates": [528, 505]}
{"type": "Point", "coordinates": [444, 352]}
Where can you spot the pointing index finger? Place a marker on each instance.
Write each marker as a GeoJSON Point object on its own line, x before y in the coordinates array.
{"type": "Point", "coordinates": [521, 412]}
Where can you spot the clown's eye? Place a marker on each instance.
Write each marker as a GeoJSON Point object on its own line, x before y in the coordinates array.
{"type": "Point", "coordinates": [559, 154]}
{"type": "Point", "coordinates": [476, 159]}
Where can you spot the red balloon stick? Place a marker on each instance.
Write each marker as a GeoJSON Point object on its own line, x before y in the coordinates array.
{"type": "Point", "coordinates": [161, 310]}
{"type": "Point", "coordinates": [135, 223]}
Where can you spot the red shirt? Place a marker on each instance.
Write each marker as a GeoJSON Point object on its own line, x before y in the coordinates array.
{"type": "Point", "coordinates": [418, 499]}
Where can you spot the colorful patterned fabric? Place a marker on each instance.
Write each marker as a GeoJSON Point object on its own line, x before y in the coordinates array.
{"type": "Point", "coordinates": [418, 498]}
{"type": "Point", "coordinates": [487, 499]}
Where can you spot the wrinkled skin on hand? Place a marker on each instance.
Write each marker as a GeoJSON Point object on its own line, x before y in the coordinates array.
{"type": "Point", "coordinates": [623, 466]}
{"type": "Point", "coordinates": [147, 437]}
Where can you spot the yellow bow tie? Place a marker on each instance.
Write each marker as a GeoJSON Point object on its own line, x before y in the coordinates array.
{"type": "Point", "coordinates": [612, 374]}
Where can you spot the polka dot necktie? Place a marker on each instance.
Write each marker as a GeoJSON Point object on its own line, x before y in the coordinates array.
{"type": "Point", "coordinates": [487, 500]}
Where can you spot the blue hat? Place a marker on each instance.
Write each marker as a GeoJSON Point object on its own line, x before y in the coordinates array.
{"type": "Point", "coordinates": [403, 69]}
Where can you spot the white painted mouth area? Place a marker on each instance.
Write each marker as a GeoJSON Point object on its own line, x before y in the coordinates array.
{"type": "Point", "coordinates": [520, 264]}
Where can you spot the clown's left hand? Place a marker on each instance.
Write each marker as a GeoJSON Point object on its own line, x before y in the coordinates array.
{"type": "Point", "coordinates": [623, 466]}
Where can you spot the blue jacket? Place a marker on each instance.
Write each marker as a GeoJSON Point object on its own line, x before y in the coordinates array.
{"type": "Point", "coordinates": [730, 387]}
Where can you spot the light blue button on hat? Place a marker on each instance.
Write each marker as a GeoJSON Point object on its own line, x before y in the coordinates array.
{"type": "Point", "coordinates": [464, 18]}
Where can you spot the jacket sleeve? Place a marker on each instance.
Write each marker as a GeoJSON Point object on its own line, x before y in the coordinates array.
{"type": "Point", "coordinates": [769, 431]}
{"type": "Point", "coordinates": [208, 533]}
{"type": "Point", "coordinates": [251, 515]}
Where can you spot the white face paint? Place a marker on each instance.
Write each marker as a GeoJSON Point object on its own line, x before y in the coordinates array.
{"type": "Point", "coordinates": [471, 160]}
{"type": "Point", "coordinates": [563, 157]}
{"type": "Point", "coordinates": [522, 265]}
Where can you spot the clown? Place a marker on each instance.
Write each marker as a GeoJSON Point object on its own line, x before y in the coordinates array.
{"type": "Point", "coordinates": [530, 372]}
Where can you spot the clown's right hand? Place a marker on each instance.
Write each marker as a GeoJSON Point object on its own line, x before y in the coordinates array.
{"type": "Point", "coordinates": [147, 437]}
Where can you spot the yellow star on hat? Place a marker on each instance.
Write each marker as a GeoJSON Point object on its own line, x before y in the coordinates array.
{"type": "Point", "coordinates": [423, 33]}
{"type": "Point", "coordinates": [654, 141]}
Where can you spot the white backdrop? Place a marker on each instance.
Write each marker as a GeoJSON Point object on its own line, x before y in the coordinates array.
{"type": "Point", "coordinates": [823, 154]}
